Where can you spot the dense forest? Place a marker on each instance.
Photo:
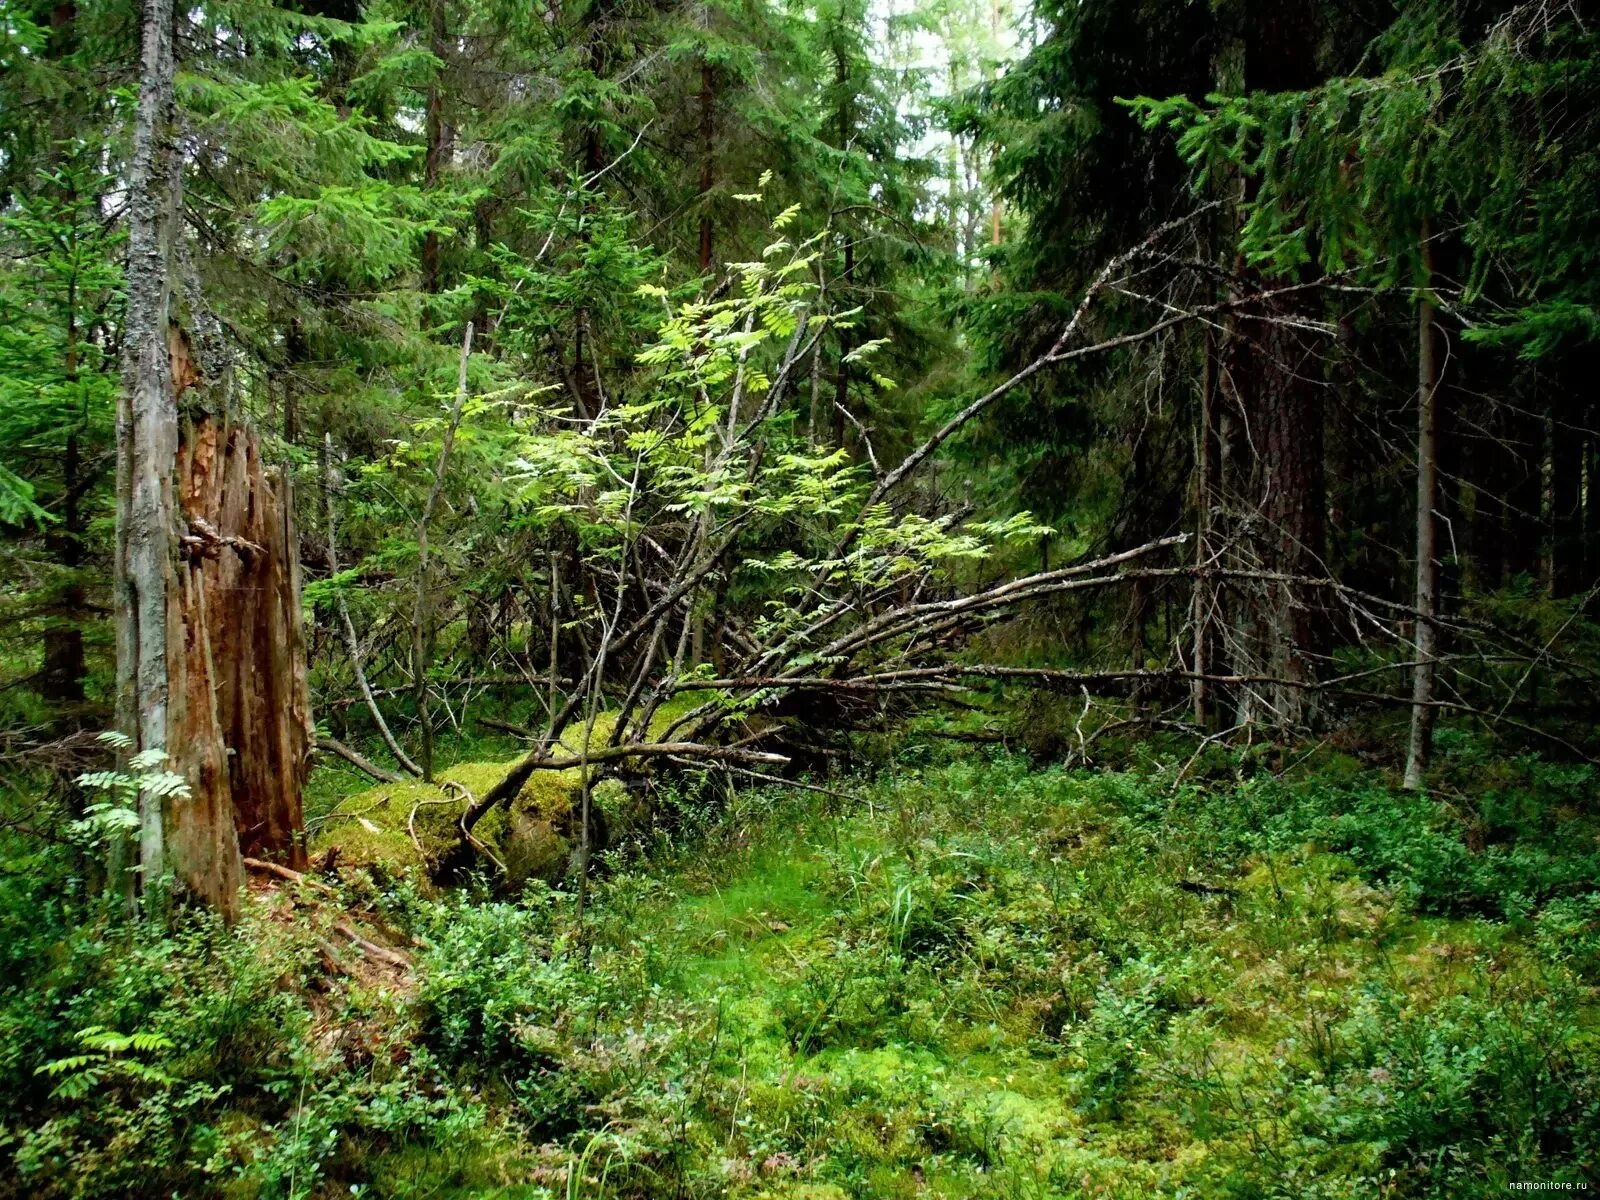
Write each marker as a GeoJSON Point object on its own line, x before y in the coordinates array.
{"type": "Point", "coordinates": [744, 598]}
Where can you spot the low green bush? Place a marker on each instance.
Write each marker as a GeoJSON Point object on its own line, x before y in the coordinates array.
{"type": "Point", "coordinates": [970, 979]}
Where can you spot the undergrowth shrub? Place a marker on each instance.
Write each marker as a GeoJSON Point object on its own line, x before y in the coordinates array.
{"type": "Point", "coordinates": [138, 1063]}
{"type": "Point", "coordinates": [980, 979]}
{"type": "Point", "coordinates": [1480, 1089]}
{"type": "Point", "coordinates": [492, 972]}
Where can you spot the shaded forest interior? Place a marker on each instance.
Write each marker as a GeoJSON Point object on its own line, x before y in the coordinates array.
{"type": "Point", "coordinates": [479, 480]}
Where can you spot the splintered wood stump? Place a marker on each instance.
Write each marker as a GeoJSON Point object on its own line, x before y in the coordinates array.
{"type": "Point", "coordinates": [246, 674]}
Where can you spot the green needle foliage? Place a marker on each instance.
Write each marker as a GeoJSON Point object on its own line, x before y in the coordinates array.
{"type": "Point", "coordinates": [845, 590]}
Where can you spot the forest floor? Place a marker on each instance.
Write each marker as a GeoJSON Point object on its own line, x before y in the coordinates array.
{"type": "Point", "coordinates": [1255, 975]}
{"type": "Point", "coordinates": [983, 980]}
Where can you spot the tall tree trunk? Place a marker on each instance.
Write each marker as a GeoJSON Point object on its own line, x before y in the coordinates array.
{"type": "Point", "coordinates": [1289, 409]}
{"type": "Point", "coordinates": [708, 130]}
{"type": "Point", "coordinates": [210, 663]}
{"type": "Point", "coordinates": [1275, 490]}
{"type": "Point", "coordinates": [1274, 420]}
{"type": "Point", "coordinates": [163, 677]}
{"type": "Point", "coordinates": [436, 138]}
{"type": "Point", "coordinates": [1206, 596]}
{"type": "Point", "coordinates": [1427, 596]}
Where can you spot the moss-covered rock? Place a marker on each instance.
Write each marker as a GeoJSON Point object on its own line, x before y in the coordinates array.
{"type": "Point", "coordinates": [404, 826]}
{"type": "Point", "coordinates": [396, 827]}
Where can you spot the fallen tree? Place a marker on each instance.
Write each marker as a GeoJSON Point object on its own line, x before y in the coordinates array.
{"type": "Point", "coordinates": [729, 594]}
{"type": "Point", "coordinates": [873, 592]}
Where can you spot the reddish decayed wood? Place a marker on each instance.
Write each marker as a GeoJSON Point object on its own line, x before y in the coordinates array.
{"type": "Point", "coordinates": [241, 614]}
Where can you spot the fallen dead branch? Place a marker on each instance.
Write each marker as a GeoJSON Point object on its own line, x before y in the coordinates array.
{"type": "Point", "coordinates": [357, 760]}
{"type": "Point", "coordinates": [374, 951]}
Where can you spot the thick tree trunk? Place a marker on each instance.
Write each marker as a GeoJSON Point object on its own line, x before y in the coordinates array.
{"type": "Point", "coordinates": [1294, 508]}
{"type": "Point", "coordinates": [1427, 596]}
{"type": "Point", "coordinates": [210, 668]}
{"type": "Point", "coordinates": [1277, 491]}
{"type": "Point", "coordinates": [164, 680]}
{"type": "Point", "coordinates": [1273, 421]}
{"type": "Point", "coordinates": [242, 603]}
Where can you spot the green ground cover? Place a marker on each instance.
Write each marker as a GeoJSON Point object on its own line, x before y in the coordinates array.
{"type": "Point", "coordinates": [965, 979]}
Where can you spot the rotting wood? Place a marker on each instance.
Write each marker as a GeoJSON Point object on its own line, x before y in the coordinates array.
{"type": "Point", "coordinates": [357, 760]}
{"type": "Point", "coordinates": [165, 692]}
{"type": "Point", "coordinates": [241, 612]}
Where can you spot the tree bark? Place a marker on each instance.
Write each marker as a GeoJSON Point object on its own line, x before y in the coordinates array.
{"type": "Point", "coordinates": [242, 612]}
{"type": "Point", "coordinates": [151, 639]}
{"type": "Point", "coordinates": [1423, 711]}
{"type": "Point", "coordinates": [1278, 487]}
{"type": "Point", "coordinates": [422, 616]}
{"type": "Point", "coordinates": [1277, 492]}
{"type": "Point", "coordinates": [163, 677]}
{"type": "Point", "coordinates": [210, 666]}
{"type": "Point", "coordinates": [708, 129]}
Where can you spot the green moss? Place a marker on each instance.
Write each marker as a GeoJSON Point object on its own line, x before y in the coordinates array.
{"type": "Point", "coordinates": [404, 826]}
{"type": "Point", "coordinates": [1024, 1001]}
{"type": "Point", "coordinates": [986, 980]}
